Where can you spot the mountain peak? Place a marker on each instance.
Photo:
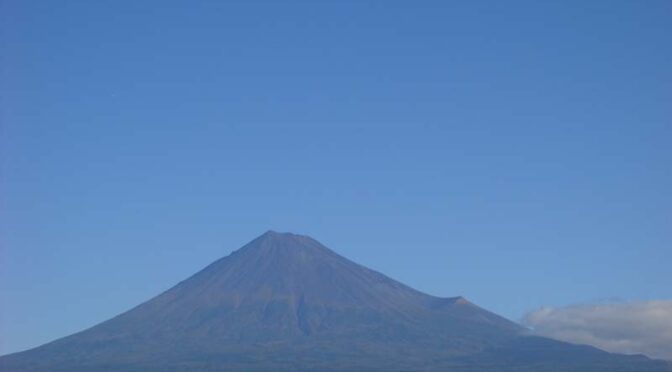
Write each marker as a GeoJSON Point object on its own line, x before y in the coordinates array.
{"type": "Point", "coordinates": [272, 234]}
{"type": "Point", "coordinates": [273, 243]}
{"type": "Point", "coordinates": [275, 236]}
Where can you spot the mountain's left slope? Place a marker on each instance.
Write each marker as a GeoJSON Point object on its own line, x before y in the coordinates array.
{"type": "Point", "coordinates": [286, 302]}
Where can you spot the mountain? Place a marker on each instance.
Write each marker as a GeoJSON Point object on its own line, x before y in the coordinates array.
{"type": "Point", "coordinates": [286, 302]}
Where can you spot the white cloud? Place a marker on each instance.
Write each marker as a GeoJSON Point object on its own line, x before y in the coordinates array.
{"type": "Point", "coordinates": [629, 328]}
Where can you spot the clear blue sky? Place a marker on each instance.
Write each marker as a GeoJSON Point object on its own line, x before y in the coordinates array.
{"type": "Point", "coordinates": [517, 153]}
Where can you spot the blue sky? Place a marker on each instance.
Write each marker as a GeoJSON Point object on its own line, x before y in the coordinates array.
{"type": "Point", "coordinates": [517, 153]}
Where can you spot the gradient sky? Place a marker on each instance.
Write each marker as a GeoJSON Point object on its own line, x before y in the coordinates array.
{"type": "Point", "coordinates": [518, 153]}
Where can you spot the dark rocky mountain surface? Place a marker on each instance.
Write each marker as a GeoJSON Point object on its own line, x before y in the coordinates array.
{"type": "Point", "coordinates": [286, 302]}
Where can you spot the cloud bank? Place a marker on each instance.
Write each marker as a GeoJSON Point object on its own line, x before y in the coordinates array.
{"type": "Point", "coordinates": [629, 328]}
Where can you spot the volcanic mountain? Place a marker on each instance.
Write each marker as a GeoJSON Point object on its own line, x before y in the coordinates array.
{"type": "Point", "coordinates": [286, 302]}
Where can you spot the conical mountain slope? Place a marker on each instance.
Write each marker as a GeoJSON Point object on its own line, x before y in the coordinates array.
{"type": "Point", "coordinates": [286, 302]}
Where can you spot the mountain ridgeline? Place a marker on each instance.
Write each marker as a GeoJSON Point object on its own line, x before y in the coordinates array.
{"type": "Point", "coordinates": [285, 302]}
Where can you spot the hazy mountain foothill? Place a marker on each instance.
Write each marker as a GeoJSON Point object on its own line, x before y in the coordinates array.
{"type": "Point", "coordinates": [285, 302]}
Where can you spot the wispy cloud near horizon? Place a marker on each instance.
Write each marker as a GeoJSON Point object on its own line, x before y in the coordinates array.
{"type": "Point", "coordinates": [630, 327]}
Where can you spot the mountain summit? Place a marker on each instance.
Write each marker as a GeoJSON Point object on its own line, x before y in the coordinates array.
{"type": "Point", "coordinates": [286, 302]}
